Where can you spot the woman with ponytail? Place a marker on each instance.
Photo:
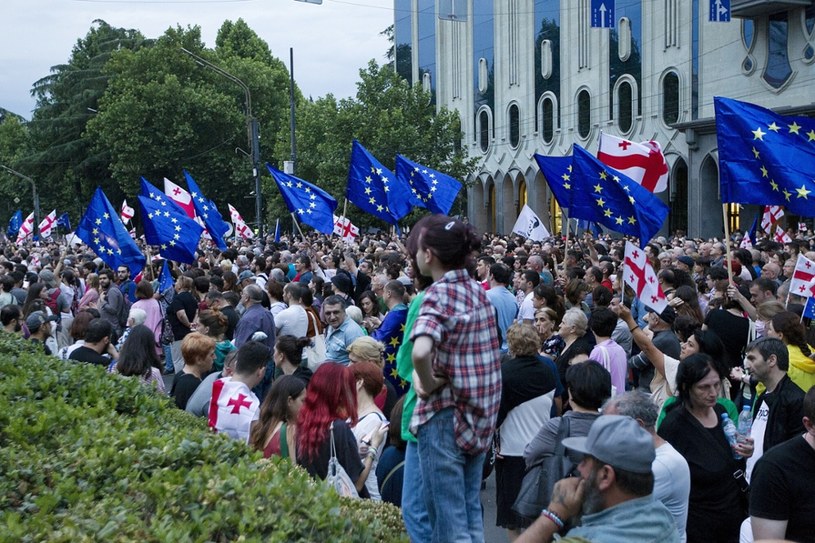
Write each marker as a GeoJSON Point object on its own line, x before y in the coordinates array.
{"type": "Point", "coordinates": [787, 327]}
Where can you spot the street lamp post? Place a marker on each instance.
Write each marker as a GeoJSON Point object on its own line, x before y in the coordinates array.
{"type": "Point", "coordinates": [252, 129]}
{"type": "Point", "coordinates": [34, 193]}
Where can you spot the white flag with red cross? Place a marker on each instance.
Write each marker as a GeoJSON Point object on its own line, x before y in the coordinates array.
{"type": "Point", "coordinates": [240, 225]}
{"type": "Point", "coordinates": [772, 214]}
{"type": "Point", "coordinates": [26, 229]}
{"type": "Point", "coordinates": [640, 276]}
{"type": "Point", "coordinates": [127, 212]}
{"type": "Point", "coordinates": [781, 235]}
{"type": "Point", "coordinates": [233, 408]}
{"type": "Point", "coordinates": [642, 162]}
{"type": "Point", "coordinates": [180, 196]}
{"type": "Point", "coordinates": [47, 224]}
{"type": "Point", "coordinates": [803, 277]}
{"type": "Point", "coordinates": [344, 228]}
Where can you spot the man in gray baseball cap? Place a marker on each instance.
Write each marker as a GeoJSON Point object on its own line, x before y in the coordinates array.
{"type": "Point", "coordinates": [613, 491]}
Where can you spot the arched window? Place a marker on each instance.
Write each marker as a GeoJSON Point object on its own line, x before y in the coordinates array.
{"type": "Point", "coordinates": [625, 105]}
{"type": "Point", "coordinates": [670, 98]}
{"type": "Point", "coordinates": [484, 130]}
{"type": "Point", "coordinates": [548, 113]}
{"type": "Point", "coordinates": [514, 126]}
{"type": "Point", "coordinates": [583, 114]}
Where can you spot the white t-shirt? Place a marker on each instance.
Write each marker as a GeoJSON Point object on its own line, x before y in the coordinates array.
{"type": "Point", "coordinates": [527, 311]}
{"type": "Point", "coordinates": [292, 321]}
{"type": "Point", "coordinates": [757, 432]}
{"type": "Point", "coordinates": [366, 425]}
{"type": "Point", "coordinates": [672, 485]}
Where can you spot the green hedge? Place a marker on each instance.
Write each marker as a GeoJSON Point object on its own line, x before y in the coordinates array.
{"type": "Point", "coordinates": [86, 456]}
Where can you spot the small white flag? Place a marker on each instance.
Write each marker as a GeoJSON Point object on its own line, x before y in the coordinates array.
{"type": "Point", "coordinates": [781, 235]}
{"type": "Point", "coordinates": [640, 276]}
{"type": "Point", "coordinates": [26, 229]}
{"type": "Point", "coordinates": [47, 224]}
{"type": "Point", "coordinates": [240, 226]}
{"type": "Point", "coordinates": [344, 228]}
{"type": "Point", "coordinates": [530, 226]}
{"type": "Point", "coordinates": [180, 197]}
{"type": "Point", "coordinates": [642, 162]}
{"type": "Point", "coordinates": [803, 277]}
{"type": "Point", "coordinates": [126, 212]}
{"type": "Point", "coordinates": [771, 215]}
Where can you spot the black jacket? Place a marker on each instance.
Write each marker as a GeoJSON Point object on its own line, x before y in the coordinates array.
{"type": "Point", "coordinates": [786, 409]}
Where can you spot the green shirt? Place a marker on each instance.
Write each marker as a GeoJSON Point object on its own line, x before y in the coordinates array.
{"type": "Point", "coordinates": [404, 365]}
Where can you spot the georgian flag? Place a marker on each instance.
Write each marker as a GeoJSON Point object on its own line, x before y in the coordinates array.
{"type": "Point", "coordinates": [233, 408]}
{"type": "Point", "coordinates": [771, 215]}
{"type": "Point", "coordinates": [47, 224]}
{"type": "Point", "coordinates": [344, 228]}
{"type": "Point", "coordinates": [126, 212]}
{"type": "Point", "coordinates": [180, 196]}
{"type": "Point", "coordinates": [803, 277]}
{"type": "Point", "coordinates": [642, 162]}
{"type": "Point", "coordinates": [25, 229]}
{"type": "Point", "coordinates": [530, 226]}
{"type": "Point", "coordinates": [240, 226]}
{"type": "Point", "coordinates": [640, 276]}
{"type": "Point", "coordinates": [781, 235]}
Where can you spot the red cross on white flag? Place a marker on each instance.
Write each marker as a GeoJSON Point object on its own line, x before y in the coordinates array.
{"type": "Point", "coordinates": [240, 226]}
{"type": "Point", "coordinates": [344, 228]}
{"type": "Point", "coordinates": [803, 277]}
{"type": "Point", "coordinates": [25, 229]}
{"type": "Point", "coordinates": [233, 408]}
{"type": "Point", "coordinates": [47, 224]}
{"type": "Point", "coordinates": [180, 197]}
{"type": "Point", "coordinates": [640, 276]}
{"type": "Point", "coordinates": [642, 162]}
{"type": "Point", "coordinates": [771, 215]}
{"type": "Point", "coordinates": [781, 235]}
{"type": "Point", "coordinates": [126, 212]}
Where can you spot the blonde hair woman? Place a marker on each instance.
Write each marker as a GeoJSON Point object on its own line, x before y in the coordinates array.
{"type": "Point", "coordinates": [367, 349]}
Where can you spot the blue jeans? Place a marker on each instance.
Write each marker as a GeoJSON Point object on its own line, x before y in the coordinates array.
{"type": "Point", "coordinates": [414, 510]}
{"type": "Point", "coordinates": [168, 358]}
{"type": "Point", "coordinates": [452, 482]}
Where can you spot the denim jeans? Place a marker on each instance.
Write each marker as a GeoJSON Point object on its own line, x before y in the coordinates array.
{"type": "Point", "coordinates": [414, 510]}
{"type": "Point", "coordinates": [452, 482]}
{"type": "Point", "coordinates": [168, 358]}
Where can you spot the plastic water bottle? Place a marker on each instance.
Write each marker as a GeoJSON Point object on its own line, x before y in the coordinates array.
{"type": "Point", "coordinates": [731, 434]}
{"type": "Point", "coordinates": [745, 421]}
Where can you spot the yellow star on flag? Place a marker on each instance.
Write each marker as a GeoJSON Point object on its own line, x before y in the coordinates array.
{"type": "Point", "coordinates": [794, 127]}
{"type": "Point", "coordinates": [802, 192]}
{"type": "Point", "coordinates": [598, 188]}
{"type": "Point", "coordinates": [774, 127]}
{"type": "Point", "coordinates": [758, 134]}
{"type": "Point", "coordinates": [774, 185]}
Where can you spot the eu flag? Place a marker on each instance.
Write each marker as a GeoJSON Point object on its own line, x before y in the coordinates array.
{"type": "Point", "coordinates": [14, 224]}
{"type": "Point", "coordinates": [172, 230]}
{"type": "Point", "coordinates": [375, 189]}
{"type": "Point", "coordinates": [557, 170]}
{"type": "Point", "coordinates": [64, 221]}
{"type": "Point", "coordinates": [150, 191]}
{"type": "Point", "coordinates": [311, 204]}
{"type": "Point", "coordinates": [103, 231]}
{"type": "Point", "coordinates": [165, 278]}
{"type": "Point", "coordinates": [765, 158]}
{"type": "Point", "coordinates": [604, 195]}
{"type": "Point", "coordinates": [390, 333]}
{"type": "Point", "coordinates": [205, 208]}
{"type": "Point", "coordinates": [432, 190]}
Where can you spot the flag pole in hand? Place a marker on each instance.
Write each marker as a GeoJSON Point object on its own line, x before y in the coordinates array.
{"type": "Point", "coordinates": [728, 254]}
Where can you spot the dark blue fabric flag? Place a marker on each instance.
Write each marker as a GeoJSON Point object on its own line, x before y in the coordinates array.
{"type": "Point", "coordinates": [64, 221]}
{"type": "Point", "coordinates": [765, 158]}
{"type": "Point", "coordinates": [14, 224]}
{"type": "Point", "coordinates": [150, 191]}
{"type": "Point", "coordinates": [309, 203]}
{"type": "Point", "coordinates": [390, 334]}
{"type": "Point", "coordinates": [165, 278]}
{"type": "Point", "coordinates": [172, 230]}
{"type": "Point", "coordinates": [753, 229]}
{"type": "Point", "coordinates": [809, 308]}
{"type": "Point", "coordinates": [604, 195]}
{"type": "Point", "coordinates": [208, 212]}
{"type": "Point", "coordinates": [102, 230]}
{"type": "Point", "coordinates": [557, 170]}
{"type": "Point", "coordinates": [277, 231]}
{"type": "Point", "coordinates": [375, 189]}
{"type": "Point", "coordinates": [432, 190]}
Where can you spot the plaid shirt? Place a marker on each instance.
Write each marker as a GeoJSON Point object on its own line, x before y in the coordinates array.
{"type": "Point", "coordinates": [458, 316]}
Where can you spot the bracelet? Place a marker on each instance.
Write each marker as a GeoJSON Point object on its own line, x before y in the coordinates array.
{"type": "Point", "coordinates": [633, 328]}
{"type": "Point", "coordinates": [554, 518]}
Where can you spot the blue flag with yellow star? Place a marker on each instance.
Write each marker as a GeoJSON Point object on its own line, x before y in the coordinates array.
{"type": "Point", "coordinates": [557, 170]}
{"type": "Point", "coordinates": [150, 191]}
{"type": "Point", "coordinates": [390, 333]}
{"type": "Point", "coordinates": [765, 158]}
{"type": "Point", "coordinates": [102, 230]}
{"type": "Point", "coordinates": [309, 203]}
{"type": "Point", "coordinates": [172, 230]}
{"type": "Point", "coordinates": [165, 278]}
{"type": "Point", "coordinates": [605, 196]}
{"type": "Point", "coordinates": [375, 189]}
{"type": "Point", "coordinates": [431, 189]}
{"type": "Point", "coordinates": [206, 210]}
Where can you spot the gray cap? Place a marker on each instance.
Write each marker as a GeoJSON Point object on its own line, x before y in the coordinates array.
{"type": "Point", "coordinates": [47, 277]}
{"type": "Point", "coordinates": [37, 319]}
{"type": "Point", "coordinates": [618, 441]}
{"type": "Point", "coordinates": [245, 274]}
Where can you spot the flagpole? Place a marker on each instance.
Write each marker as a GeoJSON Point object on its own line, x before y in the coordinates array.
{"type": "Point", "coordinates": [344, 209]}
{"type": "Point", "coordinates": [293, 218]}
{"type": "Point", "coordinates": [727, 245]}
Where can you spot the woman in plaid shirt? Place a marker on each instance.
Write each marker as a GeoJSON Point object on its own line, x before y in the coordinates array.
{"type": "Point", "coordinates": [457, 377]}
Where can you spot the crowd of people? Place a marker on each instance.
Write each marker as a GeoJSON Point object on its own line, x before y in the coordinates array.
{"type": "Point", "coordinates": [412, 367]}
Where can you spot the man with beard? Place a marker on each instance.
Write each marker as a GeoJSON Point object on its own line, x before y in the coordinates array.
{"type": "Point", "coordinates": [613, 492]}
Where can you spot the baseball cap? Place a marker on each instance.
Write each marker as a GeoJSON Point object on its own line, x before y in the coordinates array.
{"type": "Point", "coordinates": [618, 441]}
{"type": "Point", "coordinates": [668, 315]}
{"type": "Point", "coordinates": [245, 274]}
{"type": "Point", "coordinates": [342, 282]}
{"type": "Point", "coordinates": [37, 319]}
{"type": "Point", "coordinates": [686, 260]}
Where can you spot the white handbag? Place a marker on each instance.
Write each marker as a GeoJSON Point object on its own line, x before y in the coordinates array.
{"type": "Point", "coordinates": [337, 478]}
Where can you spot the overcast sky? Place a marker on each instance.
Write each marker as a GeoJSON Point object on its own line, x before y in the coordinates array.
{"type": "Point", "coordinates": [331, 41]}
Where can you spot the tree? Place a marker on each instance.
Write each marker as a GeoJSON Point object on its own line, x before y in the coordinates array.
{"type": "Point", "coordinates": [14, 144]}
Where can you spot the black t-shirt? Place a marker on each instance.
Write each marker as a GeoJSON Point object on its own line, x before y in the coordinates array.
{"type": "Point", "coordinates": [186, 301]}
{"type": "Point", "coordinates": [781, 488]}
{"type": "Point", "coordinates": [86, 354]}
{"type": "Point", "coordinates": [732, 330]}
{"type": "Point", "coordinates": [524, 378]}
{"type": "Point", "coordinates": [184, 385]}
{"type": "Point", "coordinates": [347, 454]}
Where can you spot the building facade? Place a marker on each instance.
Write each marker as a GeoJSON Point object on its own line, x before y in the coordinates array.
{"type": "Point", "coordinates": [533, 76]}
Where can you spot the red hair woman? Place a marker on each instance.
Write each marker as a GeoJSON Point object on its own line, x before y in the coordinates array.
{"type": "Point", "coordinates": [331, 403]}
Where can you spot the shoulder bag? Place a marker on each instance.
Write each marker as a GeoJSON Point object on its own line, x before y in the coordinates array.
{"type": "Point", "coordinates": [337, 478]}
